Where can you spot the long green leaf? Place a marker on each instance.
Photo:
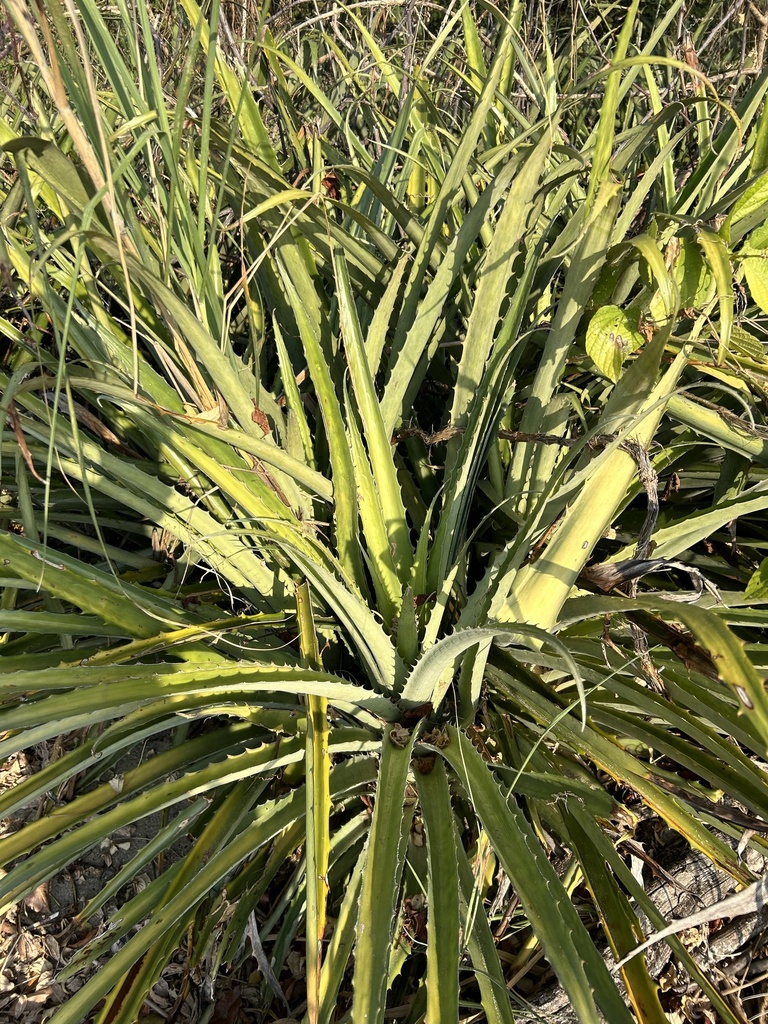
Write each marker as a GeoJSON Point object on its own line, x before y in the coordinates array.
{"type": "Point", "coordinates": [725, 648]}
{"type": "Point", "coordinates": [442, 895]}
{"type": "Point", "coordinates": [381, 880]}
{"type": "Point", "coordinates": [376, 437]}
{"type": "Point", "coordinates": [318, 804]}
{"type": "Point", "coordinates": [553, 917]}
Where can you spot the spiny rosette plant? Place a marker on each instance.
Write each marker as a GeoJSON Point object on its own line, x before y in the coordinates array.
{"type": "Point", "coordinates": [336, 396]}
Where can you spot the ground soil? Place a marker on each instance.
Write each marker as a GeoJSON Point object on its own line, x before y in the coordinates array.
{"type": "Point", "coordinates": [40, 935]}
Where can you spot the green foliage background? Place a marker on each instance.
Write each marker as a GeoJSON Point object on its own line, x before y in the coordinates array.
{"type": "Point", "coordinates": [341, 347]}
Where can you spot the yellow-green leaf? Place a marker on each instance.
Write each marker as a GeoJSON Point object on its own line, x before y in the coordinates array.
{"type": "Point", "coordinates": [757, 588]}
{"type": "Point", "coordinates": [746, 344]}
{"type": "Point", "coordinates": [612, 336]}
{"type": "Point", "coordinates": [755, 197]}
{"type": "Point", "coordinates": [756, 241]}
{"type": "Point", "coordinates": [756, 273]}
{"type": "Point", "coordinates": [693, 276]}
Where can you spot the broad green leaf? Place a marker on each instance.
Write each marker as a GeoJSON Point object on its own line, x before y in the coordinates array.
{"type": "Point", "coordinates": [746, 344]}
{"type": "Point", "coordinates": [754, 199]}
{"type": "Point", "coordinates": [58, 172]}
{"type": "Point", "coordinates": [376, 337]}
{"type": "Point", "coordinates": [384, 575]}
{"type": "Point", "coordinates": [756, 273]}
{"type": "Point", "coordinates": [665, 304]}
{"type": "Point", "coordinates": [140, 683]}
{"type": "Point", "coordinates": [756, 243]}
{"type": "Point", "coordinates": [692, 275]}
{"type": "Point", "coordinates": [612, 336]}
{"type": "Point", "coordinates": [476, 61]}
{"type": "Point", "coordinates": [16, 621]}
{"type": "Point", "coordinates": [759, 158]}
{"type": "Point", "coordinates": [757, 588]}
{"type": "Point", "coordinates": [362, 624]}
{"type": "Point", "coordinates": [548, 788]}
{"type": "Point", "coordinates": [345, 505]}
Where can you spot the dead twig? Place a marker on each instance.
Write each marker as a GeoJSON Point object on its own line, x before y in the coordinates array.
{"type": "Point", "coordinates": [762, 33]}
{"type": "Point", "coordinates": [13, 416]}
